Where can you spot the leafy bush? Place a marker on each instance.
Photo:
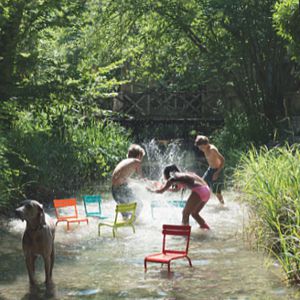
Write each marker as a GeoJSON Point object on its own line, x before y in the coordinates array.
{"type": "Point", "coordinates": [237, 135]}
{"type": "Point", "coordinates": [57, 154]}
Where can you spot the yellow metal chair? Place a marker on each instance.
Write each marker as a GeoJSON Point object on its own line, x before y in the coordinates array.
{"type": "Point", "coordinates": [122, 208]}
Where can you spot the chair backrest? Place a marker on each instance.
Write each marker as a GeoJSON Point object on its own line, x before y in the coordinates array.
{"type": "Point", "coordinates": [127, 208]}
{"type": "Point", "coordinates": [60, 204]}
{"type": "Point", "coordinates": [89, 200]}
{"type": "Point", "coordinates": [177, 230]}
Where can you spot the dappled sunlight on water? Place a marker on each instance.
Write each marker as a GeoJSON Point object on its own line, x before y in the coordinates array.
{"type": "Point", "coordinates": [92, 267]}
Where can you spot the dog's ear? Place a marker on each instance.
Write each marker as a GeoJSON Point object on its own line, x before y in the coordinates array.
{"type": "Point", "coordinates": [42, 215]}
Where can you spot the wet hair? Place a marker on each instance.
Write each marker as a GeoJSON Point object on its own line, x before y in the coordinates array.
{"type": "Point", "coordinates": [201, 140]}
{"type": "Point", "coordinates": [135, 151]}
{"type": "Point", "coordinates": [169, 169]}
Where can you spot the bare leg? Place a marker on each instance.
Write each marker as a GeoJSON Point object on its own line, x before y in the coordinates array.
{"type": "Point", "coordinates": [190, 205]}
{"type": "Point", "coordinates": [220, 198]}
{"type": "Point", "coordinates": [195, 213]}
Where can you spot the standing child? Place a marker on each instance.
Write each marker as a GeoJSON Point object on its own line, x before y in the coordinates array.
{"type": "Point", "coordinates": [215, 165]}
{"type": "Point", "coordinates": [121, 191]}
{"type": "Point", "coordinates": [197, 199]}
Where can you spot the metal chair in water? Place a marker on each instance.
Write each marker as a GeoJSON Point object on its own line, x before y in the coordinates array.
{"type": "Point", "coordinates": [121, 209]}
{"type": "Point", "coordinates": [66, 211]}
{"type": "Point", "coordinates": [176, 203]}
{"type": "Point", "coordinates": [92, 206]}
{"type": "Point", "coordinates": [167, 255]}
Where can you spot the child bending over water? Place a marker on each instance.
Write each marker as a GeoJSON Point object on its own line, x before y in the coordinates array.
{"type": "Point", "coordinates": [197, 199]}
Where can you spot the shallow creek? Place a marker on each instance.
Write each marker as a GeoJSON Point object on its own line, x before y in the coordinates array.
{"type": "Point", "coordinates": [92, 267]}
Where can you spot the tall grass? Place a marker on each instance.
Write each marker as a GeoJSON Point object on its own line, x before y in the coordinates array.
{"type": "Point", "coordinates": [270, 183]}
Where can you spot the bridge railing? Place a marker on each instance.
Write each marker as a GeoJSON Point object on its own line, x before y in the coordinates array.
{"type": "Point", "coordinates": [165, 105]}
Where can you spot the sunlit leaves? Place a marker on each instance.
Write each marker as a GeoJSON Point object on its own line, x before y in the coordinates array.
{"type": "Point", "coordinates": [287, 22]}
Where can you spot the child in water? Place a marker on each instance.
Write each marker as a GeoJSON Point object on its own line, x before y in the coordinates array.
{"type": "Point", "coordinates": [122, 173]}
{"type": "Point", "coordinates": [213, 175]}
{"type": "Point", "coordinates": [197, 199]}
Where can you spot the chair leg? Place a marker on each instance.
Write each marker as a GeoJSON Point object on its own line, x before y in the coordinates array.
{"type": "Point", "coordinates": [133, 228]}
{"type": "Point", "coordinates": [152, 214]}
{"type": "Point", "coordinates": [145, 265]}
{"type": "Point", "coordinates": [99, 230]}
{"type": "Point", "coordinates": [68, 226]}
{"type": "Point", "coordinates": [189, 261]}
{"type": "Point", "coordinates": [114, 234]}
{"type": "Point", "coordinates": [169, 267]}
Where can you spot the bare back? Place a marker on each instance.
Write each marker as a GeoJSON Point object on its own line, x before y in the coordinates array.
{"type": "Point", "coordinates": [189, 178]}
{"type": "Point", "coordinates": [125, 169]}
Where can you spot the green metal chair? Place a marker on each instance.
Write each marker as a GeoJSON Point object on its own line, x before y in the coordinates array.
{"type": "Point", "coordinates": [92, 206]}
{"type": "Point", "coordinates": [127, 208]}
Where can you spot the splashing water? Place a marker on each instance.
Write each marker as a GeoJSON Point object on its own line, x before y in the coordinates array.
{"type": "Point", "coordinates": [158, 156]}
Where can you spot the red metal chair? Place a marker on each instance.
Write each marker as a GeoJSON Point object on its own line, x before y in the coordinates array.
{"type": "Point", "coordinates": [167, 255]}
{"type": "Point", "coordinates": [66, 211]}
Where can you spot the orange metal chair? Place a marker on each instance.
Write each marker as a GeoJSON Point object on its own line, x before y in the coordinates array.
{"type": "Point", "coordinates": [167, 255]}
{"type": "Point", "coordinates": [66, 211]}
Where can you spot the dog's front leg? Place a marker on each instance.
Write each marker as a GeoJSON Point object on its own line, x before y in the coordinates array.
{"type": "Point", "coordinates": [48, 271]}
{"type": "Point", "coordinates": [52, 260]}
{"type": "Point", "coordinates": [30, 262]}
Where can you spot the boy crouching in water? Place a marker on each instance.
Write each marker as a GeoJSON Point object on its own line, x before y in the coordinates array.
{"type": "Point", "coordinates": [121, 191]}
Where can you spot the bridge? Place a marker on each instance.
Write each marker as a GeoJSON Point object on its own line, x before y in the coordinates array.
{"type": "Point", "coordinates": [166, 114]}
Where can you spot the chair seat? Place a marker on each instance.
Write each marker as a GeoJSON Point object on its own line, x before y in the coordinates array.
{"type": "Point", "coordinates": [78, 220]}
{"type": "Point", "coordinates": [112, 224]}
{"type": "Point", "coordinates": [72, 220]}
{"type": "Point", "coordinates": [96, 214]}
{"type": "Point", "coordinates": [177, 203]}
{"type": "Point", "coordinates": [164, 257]}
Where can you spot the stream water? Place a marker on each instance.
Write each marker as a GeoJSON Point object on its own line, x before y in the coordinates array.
{"type": "Point", "coordinates": [92, 267]}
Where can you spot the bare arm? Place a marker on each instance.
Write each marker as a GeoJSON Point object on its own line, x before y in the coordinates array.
{"type": "Point", "coordinates": [222, 161]}
{"type": "Point", "coordinates": [221, 166]}
{"type": "Point", "coordinates": [163, 188]}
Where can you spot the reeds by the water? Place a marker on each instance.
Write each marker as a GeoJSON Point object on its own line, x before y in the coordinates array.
{"type": "Point", "coordinates": [270, 183]}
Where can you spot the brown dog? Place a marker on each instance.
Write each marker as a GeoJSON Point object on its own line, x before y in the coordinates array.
{"type": "Point", "coordinates": [38, 238]}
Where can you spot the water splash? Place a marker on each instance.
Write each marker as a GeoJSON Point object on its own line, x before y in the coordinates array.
{"type": "Point", "coordinates": [159, 155]}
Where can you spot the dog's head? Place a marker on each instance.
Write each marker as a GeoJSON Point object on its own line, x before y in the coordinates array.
{"type": "Point", "coordinates": [31, 211]}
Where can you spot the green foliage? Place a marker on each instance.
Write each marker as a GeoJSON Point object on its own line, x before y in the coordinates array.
{"type": "Point", "coordinates": [184, 45]}
{"type": "Point", "coordinates": [287, 19]}
{"type": "Point", "coordinates": [7, 174]}
{"type": "Point", "coordinates": [58, 153]}
{"type": "Point", "coordinates": [269, 181]}
{"type": "Point", "coordinates": [239, 133]}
